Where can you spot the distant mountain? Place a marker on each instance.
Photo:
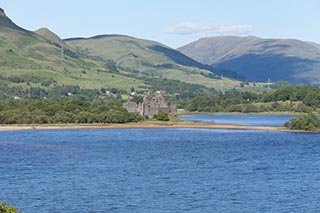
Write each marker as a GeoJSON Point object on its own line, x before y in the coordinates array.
{"type": "Point", "coordinates": [259, 59]}
{"type": "Point", "coordinates": [121, 47]}
{"type": "Point", "coordinates": [314, 44]}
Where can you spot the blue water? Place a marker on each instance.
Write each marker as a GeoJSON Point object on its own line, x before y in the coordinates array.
{"type": "Point", "coordinates": [251, 120]}
{"type": "Point", "coordinates": [160, 170]}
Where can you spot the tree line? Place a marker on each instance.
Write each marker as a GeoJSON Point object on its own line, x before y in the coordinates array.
{"type": "Point", "coordinates": [68, 110]}
{"type": "Point", "coordinates": [55, 92]}
{"type": "Point", "coordinates": [87, 106]}
{"type": "Point", "coordinates": [292, 98]}
{"type": "Point", "coordinates": [24, 87]}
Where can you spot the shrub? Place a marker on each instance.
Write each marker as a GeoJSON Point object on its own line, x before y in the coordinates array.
{"type": "Point", "coordinates": [162, 116]}
{"type": "Point", "coordinates": [309, 122]}
{"type": "Point", "coordinates": [8, 209]}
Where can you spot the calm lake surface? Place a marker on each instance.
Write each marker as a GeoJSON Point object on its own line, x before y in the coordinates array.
{"type": "Point", "coordinates": [250, 120]}
{"type": "Point", "coordinates": [160, 170]}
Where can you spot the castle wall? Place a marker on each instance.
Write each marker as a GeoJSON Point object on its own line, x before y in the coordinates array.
{"type": "Point", "coordinates": [132, 107]}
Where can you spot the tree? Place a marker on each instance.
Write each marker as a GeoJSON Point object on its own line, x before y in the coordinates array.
{"type": "Point", "coordinates": [309, 122]}
{"type": "Point", "coordinates": [312, 99]}
{"type": "Point", "coordinates": [162, 116]}
{"type": "Point", "coordinates": [8, 209]}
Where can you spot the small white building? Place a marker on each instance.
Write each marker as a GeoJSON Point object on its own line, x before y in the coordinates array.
{"type": "Point", "coordinates": [16, 98]}
{"type": "Point", "coordinates": [133, 93]}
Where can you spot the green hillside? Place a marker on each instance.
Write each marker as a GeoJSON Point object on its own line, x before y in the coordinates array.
{"type": "Point", "coordinates": [42, 60]}
{"type": "Point", "coordinates": [147, 58]}
{"type": "Point", "coordinates": [28, 59]}
{"type": "Point", "coordinates": [52, 37]}
{"type": "Point", "coordinates": [259, 59]}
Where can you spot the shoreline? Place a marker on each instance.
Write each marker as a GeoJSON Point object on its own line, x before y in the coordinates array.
{"type": "Point", "coordinates": [143, 126]}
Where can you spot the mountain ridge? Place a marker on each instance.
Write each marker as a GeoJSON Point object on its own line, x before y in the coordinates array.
{"type": "Point", "coordinates": [143, 54]}
{"type": "Point", "coordinates": [7, 24]}
{"type": "Point", "coordinates": [317, 45]}
{"type": "Point", "coordinates": [259, 59]}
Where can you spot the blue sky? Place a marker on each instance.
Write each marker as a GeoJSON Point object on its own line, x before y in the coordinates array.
{"type": "Point", "coordinates": [172, 22]}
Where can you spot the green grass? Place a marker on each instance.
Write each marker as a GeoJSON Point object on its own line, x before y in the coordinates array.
{"type": "Point", "coordinates": [90, 80]}
{"type": "Point", "coordinates": [138, 55]}
{"type": "Point", "coordinates": [24, 55]}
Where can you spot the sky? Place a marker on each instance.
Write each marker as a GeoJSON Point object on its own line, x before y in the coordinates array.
{"type": "Point", "coordinates": [171, 22]}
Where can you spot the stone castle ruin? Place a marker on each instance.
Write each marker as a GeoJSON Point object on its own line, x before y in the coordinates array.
{"type": "Point", "coordinates": [151, 105]}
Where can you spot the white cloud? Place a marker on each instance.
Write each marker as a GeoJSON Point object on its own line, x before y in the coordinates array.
{"type": "Point", "coordinates": [189, 28]}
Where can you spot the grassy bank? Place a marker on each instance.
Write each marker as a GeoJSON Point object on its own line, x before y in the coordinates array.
{"type": "Point", "coordinates": [139, 125]}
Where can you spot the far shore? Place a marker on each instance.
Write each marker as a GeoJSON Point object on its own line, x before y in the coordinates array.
{"type": "Point", "coordinates": [237, 113]}
{"type": "Point", "coordinates": [191, 125]}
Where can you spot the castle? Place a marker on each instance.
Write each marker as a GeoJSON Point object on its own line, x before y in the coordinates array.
{"type": "Point", "coordinates": [151, 105]}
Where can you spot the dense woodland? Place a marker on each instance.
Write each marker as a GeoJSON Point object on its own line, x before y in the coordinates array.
{"type": "Point", "coordinates": [287, 99]}
{"type": "Point", "coordinates": [68, 110]}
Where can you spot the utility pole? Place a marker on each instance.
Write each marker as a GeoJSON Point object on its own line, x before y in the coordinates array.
{"type": "Point", "coordinates": [268, 83]}
{"type": "Point", "coordinates": [62, 57]}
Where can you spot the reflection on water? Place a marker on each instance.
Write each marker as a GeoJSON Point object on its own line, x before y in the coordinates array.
{"type": "Point", "coordinates": [251, 120]}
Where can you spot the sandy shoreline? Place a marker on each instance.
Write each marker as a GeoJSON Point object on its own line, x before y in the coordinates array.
{"type": "Point", "coordinates": [144, 126]}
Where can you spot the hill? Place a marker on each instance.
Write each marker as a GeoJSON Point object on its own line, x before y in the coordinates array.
{"type": "Point", "coordinates": [314, 44]}
{"type": "Point", "coordinates": [41, 59]}
{"type": "Point", "coordinates": [51, 37]}
{"type": "Point", "coordinates": [259, 59]}
{"type": "Point", "coordinates": [147, 58]}
{"type": "Point", "coordinates": [28, 59]}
